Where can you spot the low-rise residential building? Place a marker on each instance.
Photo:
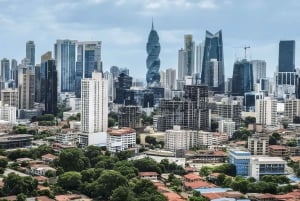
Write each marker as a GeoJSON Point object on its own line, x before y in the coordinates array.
{"type": "Point", "coordinates": [180, 139]}
{"type": "Point", "coordinates": [149, 175]}
{"type": "Point", "coordinates": [264, 165]}
{"type": "Point", "coordinates": [48, 158]}
{"type": "Point", "coordinates": [227, 126]}
{"type": "Point", "coordinates": [258, 144]}
{"type": "Point", "coordinates": [15, 141]}
{"type": "Point", "coordinates": [121, 139]}
{"type": "Point", "coordinates": [69, 138]}
{"type": "Point", "coordinates": [210, 156]}
{"type": "Point", "coordinates": [40, 169]}
{"type": "Point", "coordinates": [278, 150]}
{"type": "Point", "coordinates": [241, 160]}
{"type": "Point", "coordinates": [212, 138]}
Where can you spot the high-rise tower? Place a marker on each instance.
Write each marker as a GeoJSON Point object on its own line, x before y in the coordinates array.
{"type": "Point", "coordinates": [153, 61]}
{"type": "Point", "coordinates": [242, 78]}
{"type": "Point", "coordinates": [88, 61]}
{"type": "Point", "coordinates": [286, 59]}
{"type": "Point", "coordinates": [65, 52]}
{"type": "Point", "coordinates": [213, 62]}
{"type": "Point", "coordinates": [30, 52]}
{"type": "Point", "coordinates": [5, 70]}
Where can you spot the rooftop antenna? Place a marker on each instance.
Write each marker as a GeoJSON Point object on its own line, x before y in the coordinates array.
{"type": "Point", "coordinates": [245, 48]}
{"type": "Point", "coordinates": [152, 24]}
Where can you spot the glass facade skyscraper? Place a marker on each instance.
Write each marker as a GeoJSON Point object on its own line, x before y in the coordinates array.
{"type": "Point", "coordinates": [30, 52]}
{"type": "Point", "coordinates": [51, 87]}
{"type": "Point", "coordinates": [153, 61]}
{"type": "Point", "coordinates": [286, 61]}
{"type": "Point", "coordinates": [242, 78]}
{"type": "Point", "coordinates": [5, 70]}
{"type": "Point", "coordinates": [189, 47]}
{"type": "Point", "coordinates": [65, 52]}
{"type": "Point", "coordinates": [213, 53]}
{"type": "Point", "coordinates": [88, 61]}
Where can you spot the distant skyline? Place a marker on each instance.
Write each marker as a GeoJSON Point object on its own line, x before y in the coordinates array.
{"type": "Point", "coordinates": [123, 27]}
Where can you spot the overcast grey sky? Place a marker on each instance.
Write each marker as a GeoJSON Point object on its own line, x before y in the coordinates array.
{"type": "Point", "coordinates": [123, 27]}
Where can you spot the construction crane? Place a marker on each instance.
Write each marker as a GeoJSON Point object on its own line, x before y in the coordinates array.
{"type": "Point", "coordinates": [245, 48]}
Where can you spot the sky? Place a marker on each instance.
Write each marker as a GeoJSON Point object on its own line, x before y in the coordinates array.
{"type": "Point", "coordinates": [123, 27]}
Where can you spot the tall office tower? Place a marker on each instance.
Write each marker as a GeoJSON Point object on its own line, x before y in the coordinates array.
{"type": "Point", "coordinates": [212, 56]}
{"type": "Point", "coordinates": [42, 81]}
{"type": "Point", "coordinates": [153, 61]}
{"type": "Point", "coordinates": [65, 56]}
{"type": "Point", "coordinates": [37, 84]}
{"type": "Point", "coordinates": [123, 94]}
{"type": "Point", "coordinates": [115, 71]}
{"type": "Point", "coordinates": [242, 78]}
{"type": "Point", "coordinates": [26, 87]}
{"type": "Point", "coordinates": [228, 86]}
{"type": "Point", "coordinates": [10, 97]}
{"type": "Point", "coordinates": [5, 69]}
{"type": "Point", "coordinates": [163, 78]}
{"type": "Point", "coordinates": [88, 61]}
{"type": "Point", "coordinates": [259, 70]}
{"type": "Point", "coordinates": [286, 61]}
{"type": "Point", "coordinates": [182, 57]}
{"type": "Point", "coordinates": [14, 71]}
{"type": "Point", "coordinates": [94, 104]}
{"type": "Point", "coordinates": [199, 57]}
{"type": "Point", "coordinates": [51, 87]}
{"type": "Point", "coordinates": [30, 52]}
{"type": "Point", "coordinates": [189, 47]}
{"type": "Point", "coordinates": [266, 111]}
{"type": "Point", "coordinates": [171, 78]}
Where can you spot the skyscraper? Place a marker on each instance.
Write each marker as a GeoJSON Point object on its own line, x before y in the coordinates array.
{"type": "Point", "coordinates": [182, 57]}
{"type": "Point", "coordinates": [189, 47]}
{"type": "Point", "coordinates": [30, 52]}
{"type": "Point", "coordinates": [5, 70]}
{"type": "Point", "coordinates": [94, 104]}
{"type": "Point", "coordinates": [213, 53]}
{"type": "Point", "coordinates": [65, 62]}
{"type": "Point", "coordinates": [42, 81]}
{"type": "Point", "coordinates": [242, 78]}
{"type": "Point", "coordinates": [153, 61]}
{"type": "Point", "coordinates": [14, 71]}
{"type": "Point", "coordinates": [88, 60]}
{"type": "Point", "coordinates": [171, 78]}
{"type": "Point", "coordinates": [26, 87]}
{"type": "Point", "coordinates": [286, 61]}
{"type": "Point", "coordinates": [259, 70]}
{"type": "Point", "coordinates": [51, 87]}
{"type": "Point", "coordinates": [199, 58]}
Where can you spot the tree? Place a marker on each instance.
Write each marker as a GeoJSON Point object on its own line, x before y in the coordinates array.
{"type": "Point", "coordinates": [205, 171]}
{"type": "Point", "coordinates": [15, 184]}
{"type": "Point", "coordinates": [21, 197]}
{"type": "Point", "coordinates": [220, 179]}
{"type": "Point", "coordinates": [142, 186]}
{"type": "Point", "coordinates": [109, 181]}
{"type": "Point", "coordinates": [88, 175]}
{"type": "Point", "coordinates": [147, 165]}
{"type": "Point", "coordinates": [249, 120]}
{"type": "Point", "coordinates": [228, 169]}
{"type": "Point", "coordinates": [50, 173]}
{"type": "Point", "coordinates": [73, 160]}
{"type": "Point", "coordinates": [150, 140]}
{"type": "Point", "coordinates": [122, 193]}
{"type": "Point", "coordinates": [111, 122]}
{"type": "Point", "coordinates": [292, 143]}
{"type": "Point", "coordinates": [214, 125]}
{"type": "Point", "coordinates": [272, 140]}
{"type": "Point", "coordinates": [3, 162]}
{"type": "Point", "coordinates": [69, 180]}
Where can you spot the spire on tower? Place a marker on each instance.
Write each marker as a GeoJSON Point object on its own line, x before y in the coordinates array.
{"type": "Point", "coordinates": [152, 24]}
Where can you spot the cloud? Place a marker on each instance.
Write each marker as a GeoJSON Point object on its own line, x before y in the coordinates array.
{"type": "Point", "coordinates": [207, 4]}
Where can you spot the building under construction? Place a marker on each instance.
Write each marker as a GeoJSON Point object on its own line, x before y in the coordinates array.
{"type": "Point", "coordinates": [190, 113]}
{"type": "Point", "coordinates": [130, 116]}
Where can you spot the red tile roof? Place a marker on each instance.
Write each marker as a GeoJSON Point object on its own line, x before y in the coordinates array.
{"type": "Point", "coordinates": [192, 176]}
{"type": "Point", "coordinates": [172, 196]}
{"type": "Point", "coordinates": [278, 147]}
{"type": "Point", "coordinates": [198, 184]}
{"type": "Point", "coordinates": [147, 174]}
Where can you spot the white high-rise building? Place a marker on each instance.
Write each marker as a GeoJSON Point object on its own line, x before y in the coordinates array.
{"type": "Point", "coordinates": [171, 78]}
{"type": "Point", "coordinates": [8, 113]}
{"type": "Point", "coordinates": [94, 104]}
{"type": "Point", "coordinates": [182, 56]}
{"type": "Point", "coordinates": [163, 78]}
{"type": "Point", "coordinates": [227, 126]}
{"type": "Point", "coordinates": [266, 111]}
{"type": "Point", "coordinates": [259, 70]}
{"type": "Point", "coordinates": [291, 109]}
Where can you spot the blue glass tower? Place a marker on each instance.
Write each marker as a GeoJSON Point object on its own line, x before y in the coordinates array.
{"type": "Point", "coordinates": [153, 61]}
{"type": "Point", "coordinates": [242, 78]}
{"type": "Point", "coordinates": [30, 52]}
{"type": "Point", "coordinates": [286, 56]}
{"type": "Point", "coordinates": [88, 61]}
{"type": "Point", "coordinates": [213, 62]}
{"type": "Point", "coordinates": [65, 61]}
{"type": "Point", "coordinates": [5, 70]}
